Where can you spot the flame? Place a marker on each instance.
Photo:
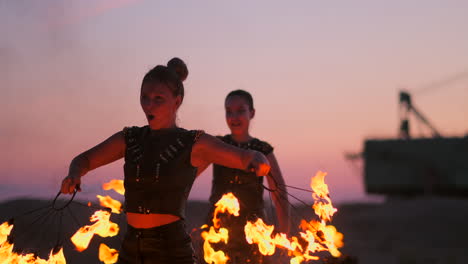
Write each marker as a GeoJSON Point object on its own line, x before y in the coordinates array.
{"type": "Point", "coordinates": [260, 234]}
{"type": "Point", "coordinates": [213, 236]}
{"type": "Point", "coordinates": [81, 239]}
{"type": "Point", "coordinates": [107, 201]}
{"type": "Point", "coordinates": [322, 203]}
{"type": "Point", "coordinates": [229, 203]}
{"type": "Point", "coordinates": [7, 256]}
{"type": "Point", "coordinates": [5, 230]}
{"type": "Point", "coordinates": [116, 185]}
{"type": "Point", "coordinates": [103, 227]}
{"type": "Point", "coordinates": [216, 234]}
{"type": "Point", "coordinates": [326, 236]}
{"type": "Point", "coordinates": [57, 258]}
{"type": "Point", "coordinates": [316, 236]}
{"type": "Point", "coordinates": [323, 207]}
{"type": "Point", "coordinates": [108, 255]}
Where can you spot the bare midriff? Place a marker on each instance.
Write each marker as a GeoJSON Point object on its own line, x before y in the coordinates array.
{"type": "Point", "coordinates": [150, 220]}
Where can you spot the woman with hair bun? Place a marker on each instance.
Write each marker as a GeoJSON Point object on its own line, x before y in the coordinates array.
{"type": "Point", "coordinates": [161, 163]}
{"type": "Point", "coordinates": [245, 185]}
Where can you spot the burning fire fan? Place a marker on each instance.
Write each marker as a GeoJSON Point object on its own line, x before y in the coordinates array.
{"type": "Point", "coordinates": [42, 236]}
{"type": "Point", "coordinates": [316, 238]}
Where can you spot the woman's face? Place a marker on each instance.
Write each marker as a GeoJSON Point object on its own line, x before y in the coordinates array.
{"type": "Point", "coordinates": [159, 104]}
{"type": "Point", "coordinates": [238, 114]}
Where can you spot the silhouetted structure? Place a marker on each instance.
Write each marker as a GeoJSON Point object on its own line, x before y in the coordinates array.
{"type": "Point", "coordinates": [414, 166]}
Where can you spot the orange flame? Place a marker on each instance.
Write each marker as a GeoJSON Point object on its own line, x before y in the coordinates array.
{"type": "Point", "coordinates": [5, 230]}
{"type": "Point", "coordinates": [103, 227]}
{"type": "Point", "coordinates": [116, 185]}
{"type": "Point", "coordinates": [260, 233]}
{"type": "Point", "coordinates": [327, 237]}
{"type": "Point", "coordinates": [107, 201]}
{"type": "Point", "coordinates": [331, 238]}
{"type": "Point", "coordinates": [322, 203]}
{"type": "Point", "coordinates": [227, 203]}
{"type": "Point", "coordinates": [108, 255]}
{"type": "Point", "coordinates": [7, 256]}
{"type": "Point", "coordinates": [213, 236]}
{"type": "Point", "coordinates": [317, 236]}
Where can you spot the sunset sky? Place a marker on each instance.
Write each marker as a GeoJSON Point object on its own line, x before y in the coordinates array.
{"type": "Point", "coordinates": [325, 75]}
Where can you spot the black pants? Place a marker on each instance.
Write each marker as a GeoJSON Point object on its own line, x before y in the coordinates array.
{"type": "Point", "coordinates": [165, 244]}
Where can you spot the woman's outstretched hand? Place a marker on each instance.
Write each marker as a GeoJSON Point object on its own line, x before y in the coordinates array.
{"type": "Point", "coordinates": [70, 183]}
{"type": "Point", "coordinates": [259, 164]}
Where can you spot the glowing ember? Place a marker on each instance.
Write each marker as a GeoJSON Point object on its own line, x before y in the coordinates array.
{"type": "Point", "coordinates": [7, 256]}
{"type": "Point", "coordinates": [107, 201]}
{"type": "Point", "coordinates": [103, 227]}
{"type": "Point", "coordinates": [116, 185]}
{"type": "Point", "coordinates": [108, 255]}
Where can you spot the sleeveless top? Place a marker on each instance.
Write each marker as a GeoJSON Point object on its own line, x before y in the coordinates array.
{"type": "Point", "coordinates": [158, 172]}
{"type": "Point", "coordinates": [246, 186]}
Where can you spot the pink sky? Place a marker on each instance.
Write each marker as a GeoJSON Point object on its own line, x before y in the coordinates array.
{"type": "Point", "coordinates": [324, 76]}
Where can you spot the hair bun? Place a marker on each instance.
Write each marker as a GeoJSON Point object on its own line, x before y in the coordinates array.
{"type": "Point", "coordinates": [179, 67]}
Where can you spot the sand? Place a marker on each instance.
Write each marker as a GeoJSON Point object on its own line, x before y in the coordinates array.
{"type": "Point", "coordinates": [424, 230]}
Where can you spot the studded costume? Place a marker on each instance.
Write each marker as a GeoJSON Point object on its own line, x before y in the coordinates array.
{"type": "Point", "coordinates": [158, 179]}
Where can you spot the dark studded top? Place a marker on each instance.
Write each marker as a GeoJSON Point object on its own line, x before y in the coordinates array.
{"type": "Point", "coordinates": [246, 186]}
{"type": "Point", "coordinates": [158, 170]}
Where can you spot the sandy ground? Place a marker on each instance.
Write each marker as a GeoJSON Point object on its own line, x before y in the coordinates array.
{"type": "Point", "coordinates": [399, 231]}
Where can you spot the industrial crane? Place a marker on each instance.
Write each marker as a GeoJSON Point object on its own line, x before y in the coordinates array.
{"type": "Point", "coordinates": [409, 165]}
{"type": "Point", "coordinates": [407, 106]}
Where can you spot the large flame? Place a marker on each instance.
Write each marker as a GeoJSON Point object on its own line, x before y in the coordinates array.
{"type": "Point", "coordinates": [116, 185]}
{"type": "Point", "coordinates": [7, 256]}
{"type": "Point", "coordinates": [228, 203]}
{"type": "Point", "coordinates": [108, 255]}
{"type": "Point", "coordinates": [316, 236]}
{"type": "Point", "coordinates": [103, 227]}
{"type": "Point", "coordinates": [107, 201]}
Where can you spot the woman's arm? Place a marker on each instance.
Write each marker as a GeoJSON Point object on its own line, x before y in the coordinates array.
{"type": "Point", "coordinates": [279, 194]}
{"type": "Point", "coordinates": [104, 153]}
{"type": "Point", "coordinates": [209, 149]}
{"type": "Point", "coordinates": [202, 168]}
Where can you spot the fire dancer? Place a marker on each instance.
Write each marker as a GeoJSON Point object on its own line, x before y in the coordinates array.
{"type": "Point", "coordinates": [245, 185]}
{"type": "Point", "coordinates": [161, 162]}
